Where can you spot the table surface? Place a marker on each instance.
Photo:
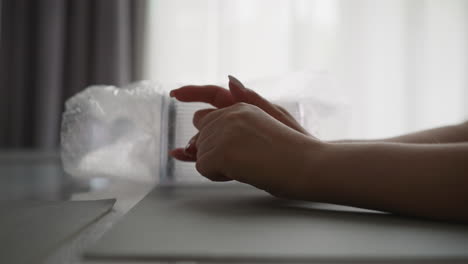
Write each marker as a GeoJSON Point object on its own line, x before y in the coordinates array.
{"type": "Point", "coordinates": [40, 176]}
{"type": "Point", "coordinates": [33, 175]}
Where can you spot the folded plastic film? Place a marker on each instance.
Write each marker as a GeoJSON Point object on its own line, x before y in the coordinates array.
{"type": "Point", "coordinates": [114, 132]}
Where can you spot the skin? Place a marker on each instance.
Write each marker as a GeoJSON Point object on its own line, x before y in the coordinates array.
{"type": "Point", "coordinates": [248, 139]}
{"type": "Point", "coordinates": [447, 134]}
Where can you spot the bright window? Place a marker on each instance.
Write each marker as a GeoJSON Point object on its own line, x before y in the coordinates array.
{"type": "Point", "coordinates": [400, 65]}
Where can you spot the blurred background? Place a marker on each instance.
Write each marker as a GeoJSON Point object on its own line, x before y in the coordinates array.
{"type": "Point", "coordinates": [400, 65]}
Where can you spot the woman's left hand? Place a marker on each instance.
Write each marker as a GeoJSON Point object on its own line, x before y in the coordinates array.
{"type": "Point", "coordinates": [244, 143]}
{"type": "Point", "coordinates": [221, 98]}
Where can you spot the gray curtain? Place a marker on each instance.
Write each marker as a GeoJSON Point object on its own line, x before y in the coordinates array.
{"type": "Point", "coordinates": [51, 49]}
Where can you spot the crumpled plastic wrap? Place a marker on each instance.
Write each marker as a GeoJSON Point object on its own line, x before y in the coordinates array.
{"type": "Point", "coordinates": [110, 131]}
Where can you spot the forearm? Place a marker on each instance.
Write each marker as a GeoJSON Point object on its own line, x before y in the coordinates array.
{"type": "Point", "coordinates": [446, 134]}
{"type": "Point", "coordinates": [429, 180]}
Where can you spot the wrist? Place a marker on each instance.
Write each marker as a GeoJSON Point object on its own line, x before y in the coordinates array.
{"type": "Point", "coordinates": [312, 176]}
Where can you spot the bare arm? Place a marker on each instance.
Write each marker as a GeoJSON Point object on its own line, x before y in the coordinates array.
{"type": "Point", "coordinates": [446, 134]}
{"type": "Point", "coordinates": [428, 180]}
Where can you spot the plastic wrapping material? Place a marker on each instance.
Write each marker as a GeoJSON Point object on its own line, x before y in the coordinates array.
{"type": "Point", "coordinates": [110, 131]}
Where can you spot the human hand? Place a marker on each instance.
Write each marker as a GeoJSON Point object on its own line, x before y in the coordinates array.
{"type": "Point", "coordinates": [244, 143]}
{"type": "Point", "coordinates": [220, 98]}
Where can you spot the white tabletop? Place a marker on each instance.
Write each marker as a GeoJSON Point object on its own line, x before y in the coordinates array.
{"type": "Point", "coordinates": [39, 176]}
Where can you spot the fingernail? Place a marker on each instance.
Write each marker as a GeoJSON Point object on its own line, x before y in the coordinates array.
{"type": "Point", "coordinates": [186, 150]}
{"type": "Point", "coordinates": [190, 149]}
{"type": "Point", "coordinates": [235, 81]}
{"type": "Point", "coordinates": [191, 141]}
{"type": "Point", "coordinates": [172, 93]}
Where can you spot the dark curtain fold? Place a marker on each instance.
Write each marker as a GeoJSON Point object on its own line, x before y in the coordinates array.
{"type": "Point", "coordinates": [50, 50]}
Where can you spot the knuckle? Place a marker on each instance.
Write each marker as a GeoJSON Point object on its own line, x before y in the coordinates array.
{"type": "Point", "coordinates": [241, 105]}
{"type": "Point", "coordinates": [246, 108]}
{"type": "Point", "coordinates": [199, 115]}
{"type": "Point", "coordinates": [239, 114]}
{"type": "Point", "coordinates": [234, 116]}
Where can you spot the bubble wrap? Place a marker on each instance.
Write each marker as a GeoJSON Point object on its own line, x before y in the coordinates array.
{"type": "Point", "coordinates": [111, 131]}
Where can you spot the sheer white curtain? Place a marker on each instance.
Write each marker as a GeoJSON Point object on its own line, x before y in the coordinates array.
{"type": "Point", "coordinates": [402, 65]}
